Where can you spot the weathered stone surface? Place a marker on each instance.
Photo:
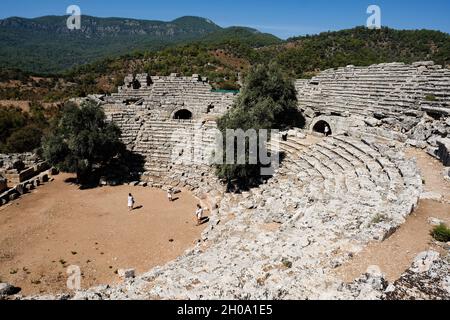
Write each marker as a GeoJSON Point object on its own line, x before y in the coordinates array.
{"type": "Point", "coordinates": [432, 196]}
{"type": "Point", "coordinates": [6, 289]}
{"type": "Point", "coordinates": [126, 273]}
{"type": "Point", "coordinates": [435, 222]}
{"type": "Point", "coordinates": [444, 151]}
{"type": "Point", "coordinates": [427, 279]}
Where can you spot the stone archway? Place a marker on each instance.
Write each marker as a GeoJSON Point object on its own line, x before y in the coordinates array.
{"type": "Point", "coordinates": [321, 127]}
{"type": "Point", "coordinates": [210, 109]}
{"type": "Point", "coordinates": [182, 114]}
{"type": "Point", "coordinates": [136, 84]}
{"type": "Point", "coordinates": [318, 125]}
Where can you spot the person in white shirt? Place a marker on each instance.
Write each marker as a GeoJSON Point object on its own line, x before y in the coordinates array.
{"type": "Point", "coordinates": [199, 214]}
{"type": "Point", "coordinates": [170, 195]}
{"type": "Point", "coordinates": [130, 202]}
{"type": "Point", "coordinates": [327, 131]}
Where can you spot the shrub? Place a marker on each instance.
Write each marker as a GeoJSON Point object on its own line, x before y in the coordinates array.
{"type": "Point", "coordinates": [430, 98]}
{"type": "Point", "coordinates": [25, 139]}
{"type": "Point", "coordinates": [441, 233]}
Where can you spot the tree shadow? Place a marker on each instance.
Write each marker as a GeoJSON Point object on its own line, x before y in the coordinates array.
{"type": "Point", "coordinates": [71, 180]}
{"type": "Point", "coordinates": [238, 186]}
{"type": "Point", "coordinates": [293, 119]}
{"type": "Point", "coordinates": [130, 166]}
{"type": "Point", "coordinates": [127, 167]}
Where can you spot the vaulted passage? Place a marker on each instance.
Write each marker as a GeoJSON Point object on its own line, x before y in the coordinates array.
{"type": "Point", "coordinates": [136, 84]}
{"type": "Point", "coordinates": [183, 114]}
{"type": "Point", "coordinates": [323, 127]}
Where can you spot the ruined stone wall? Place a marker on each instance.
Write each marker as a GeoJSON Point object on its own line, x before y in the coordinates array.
{"type": "Point", "coordinates": [385, 99]}
{"type": "Point", "coordinates": [20, 173]}
{"type": "Point", "coordinates": [162, 97]}
{"type": "Point", "coordinates": [17, 168]}
{"type": "Point", "coordinates": [176, 151]}
{"type": "Point", "coordinates": [407, 103]}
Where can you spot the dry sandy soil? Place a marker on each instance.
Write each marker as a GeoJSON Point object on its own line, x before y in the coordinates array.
{"type": "Point", "coordinates": [396, 254]}
{"type": "Point", "coordinates": [59, 225]}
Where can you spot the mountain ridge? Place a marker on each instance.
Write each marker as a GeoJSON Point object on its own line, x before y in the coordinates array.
{"type": "Point", "coordinates": [46, 45]}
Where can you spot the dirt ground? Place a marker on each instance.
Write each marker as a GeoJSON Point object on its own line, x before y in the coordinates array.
{"type": "Point", "coordinates": [59, 225]}
{"type": "Point", "coordinates": [396, 254]}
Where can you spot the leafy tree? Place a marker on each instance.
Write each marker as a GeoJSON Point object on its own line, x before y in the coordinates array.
{"type": "Point", "coordinates": [82, 141]}
{"type": "Point", "coordinates": [267, 101]}
{"type": "Point", "coordinates": [11, 120]}
{"type": "Point", "coordinates": [25, 139]}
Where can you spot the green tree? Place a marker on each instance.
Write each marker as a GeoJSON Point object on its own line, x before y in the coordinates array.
{"type": "Point", "coordinates": [267, 101]}
{"type": "Point", "coordinates": [82, 141]}
{"type": "Point", "coordinates": [11, 119]}
{"type": "Point", "coordinates": [25, 139]}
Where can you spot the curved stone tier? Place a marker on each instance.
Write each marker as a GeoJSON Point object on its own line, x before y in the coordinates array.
{"type": "Point", "coordinates": [389, 89]}
{"type": "Point", "coordinates": [284, 239]}
{"type": "Point", "coordinates": [328, 199]}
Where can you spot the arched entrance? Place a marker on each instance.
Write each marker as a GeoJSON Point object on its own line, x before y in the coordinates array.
{"type": "Point", "coordinates": [183, 114]}
{"type": "Point", "coordinates": [210, 109]}
{"type": "Point", "coordinates": [322, 127]}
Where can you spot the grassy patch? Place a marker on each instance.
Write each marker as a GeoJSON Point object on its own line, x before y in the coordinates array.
{"type": "Point", "coordinates": [286, 263]}
{"type": "Point", "coordinates": [379, 218]}
{"type": "Point", "coordinates": [441, 233]}
{"type": "Point", "coordinates": [430, 98]}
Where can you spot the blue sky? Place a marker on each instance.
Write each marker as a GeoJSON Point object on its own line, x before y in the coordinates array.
{"type": "Point", "coordinates": [283, 18]}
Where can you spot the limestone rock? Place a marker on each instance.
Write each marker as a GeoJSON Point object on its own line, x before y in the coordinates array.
{"type": "Point", "coordinates": [431, 196]}
{"type": "Point", "coordinates": [6, 289]}
{"type": "Point", "coordinates": [423, 261]}
{"type": "Point", "coordinates": [428, 278]}
{"type": "Point", "coordinates": [126, 273]}
{"type": "Point", "coordinates": [434, 221]}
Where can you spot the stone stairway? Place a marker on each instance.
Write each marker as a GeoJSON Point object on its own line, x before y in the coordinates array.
{"type": "Point", "coordinates": [176, 151]}
{"type": "Point", "coordinates": [389, 88]}
{"type": "Point", "coordinates": [284, 239]}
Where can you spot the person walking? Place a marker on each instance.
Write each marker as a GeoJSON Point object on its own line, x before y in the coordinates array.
{"type": "Point", "coordinates": [199, 214]}
{"type": "Point", "coordinates": [130, 202]}
{"type": "Point", "coordinates": [170, 195]}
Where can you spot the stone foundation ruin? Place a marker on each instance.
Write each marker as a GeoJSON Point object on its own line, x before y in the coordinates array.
{"type": "Point", "coordinates": [20, 173]}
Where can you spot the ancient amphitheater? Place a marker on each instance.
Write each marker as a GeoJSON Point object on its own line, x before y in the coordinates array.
{"type": "Point", "coordinates": [328, 200]}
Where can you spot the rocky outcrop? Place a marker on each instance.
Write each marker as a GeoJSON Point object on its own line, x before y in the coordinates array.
{"type": "Point", "coordinates": [427, 279]}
